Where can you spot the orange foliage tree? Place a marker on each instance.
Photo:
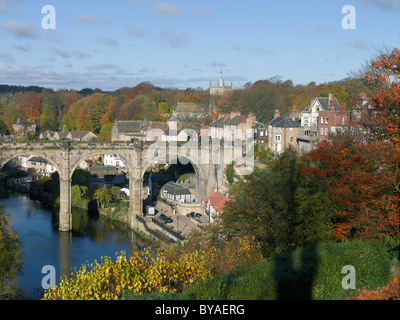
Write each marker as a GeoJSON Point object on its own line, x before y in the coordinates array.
{"type": "Point", "coordinates": [362, 167]}
{"type": "Point", "coordinates": [391, 291]}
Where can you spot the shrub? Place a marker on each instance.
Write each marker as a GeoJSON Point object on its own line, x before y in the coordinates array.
{"type": "Point", "coordinates": [391, 291]}
{"type": "Point", "coordinates": [142, 273]}
{"type": "Point", "coordinates": [131, 295]}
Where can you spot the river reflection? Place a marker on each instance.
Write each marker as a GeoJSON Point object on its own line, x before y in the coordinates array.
{"type": "Point", "coordinates": [43, 244]}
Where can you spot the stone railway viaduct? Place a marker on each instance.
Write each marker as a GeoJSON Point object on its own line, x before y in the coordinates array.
{"type": "Point", "coordinates": [208, 163]}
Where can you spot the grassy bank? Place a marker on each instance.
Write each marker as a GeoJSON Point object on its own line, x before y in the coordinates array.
{"type": "Point", "coordinates": [313, 272]}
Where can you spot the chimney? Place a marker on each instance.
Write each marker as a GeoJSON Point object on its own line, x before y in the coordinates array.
{"type": "Point", "coordinates": [277, 113]}
{"type": "Point", "coordinates": [331, 102]}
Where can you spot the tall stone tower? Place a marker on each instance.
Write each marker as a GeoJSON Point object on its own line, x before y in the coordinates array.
{"type": "Point", "coordinates": [220, 89]}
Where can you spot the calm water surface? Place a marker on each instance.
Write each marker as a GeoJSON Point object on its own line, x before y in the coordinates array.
{"type": "Point", "coordinates": [43, 244]}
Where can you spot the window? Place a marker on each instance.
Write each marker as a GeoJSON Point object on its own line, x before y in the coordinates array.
{"type": "Point", "coordinates": [322, 119]}
{"type": "Point", "coordinates": [326, 120]}
{"type": "Point", "coordinates": [322, 131]}
{"type": "Point", "coordinates": [278, 137]}
{"type": "Point", "coordinates": [261, 133]}
{"type": "Point", "coordinates": [326, 131]}
{"type": "Point", "coordinates": [342, 121]}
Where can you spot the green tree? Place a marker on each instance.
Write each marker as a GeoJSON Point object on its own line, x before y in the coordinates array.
{"type": "Point", "coordinates": [280, 208]}
{"type": "Point", "coordinates": [49, 119]}
{"type": "Point", "coordinates": [11, 258]}
{"type": "Point", "coordinates": [105, 195]}
{"type": "Point", "coordinates": [105, 133]}
{"type": "Point", "coordinates": [163, 108]}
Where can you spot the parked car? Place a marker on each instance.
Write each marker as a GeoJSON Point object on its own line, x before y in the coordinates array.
{"type": "Point", "coordinates": [194, 215]}
{"type": "Point", "coordinates": [165, 218]}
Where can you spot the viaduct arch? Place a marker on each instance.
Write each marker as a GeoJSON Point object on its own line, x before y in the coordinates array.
{"type": "Point", "coordinates": [66, 157]}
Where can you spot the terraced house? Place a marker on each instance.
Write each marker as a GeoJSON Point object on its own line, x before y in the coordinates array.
{"type": "Point", "coordinates": [283, 130]}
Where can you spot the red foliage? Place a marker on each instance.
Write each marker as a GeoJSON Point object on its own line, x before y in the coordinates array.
{"type": "Point", "coordinates": [362, 168]}
{"type": "Point", "coordinates": [389, 292]}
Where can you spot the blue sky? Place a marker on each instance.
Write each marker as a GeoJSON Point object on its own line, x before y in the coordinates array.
{"type": "Point", "coordinates": [185, 43]}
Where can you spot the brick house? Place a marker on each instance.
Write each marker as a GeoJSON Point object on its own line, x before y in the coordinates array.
{"type": "Point", "coordinates": [23, 127]}
{"type": "Point", "coordinates": [332, 121]}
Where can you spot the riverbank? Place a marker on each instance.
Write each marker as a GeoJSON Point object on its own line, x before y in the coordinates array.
{"type": "Point", "coordinates": [42, 244]}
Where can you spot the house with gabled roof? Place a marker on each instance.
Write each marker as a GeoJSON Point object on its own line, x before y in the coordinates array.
{"type": "Point", "coordinates": [175, 192]}
{"type": "Point", "coordinates": [310, 121]}
{"type": "Point", "coordinates": [215, 205]}
{"type": "Point", "coordinates": [138, 130]}
{"type": "Point", "coordinates": [309, 116]}
{"type": "Point", "coordinates": [47, 135]}
{"type": "Point", "coordinates": [232, 126]}
{"type": "Point", "coordinates": [283, 130]}
{"type": "Point", "coordinates": [60, 135]}
{"type": "Point", "coordinates": [81, 135]}
{"type": "Point", "coordinates": [126, 130]}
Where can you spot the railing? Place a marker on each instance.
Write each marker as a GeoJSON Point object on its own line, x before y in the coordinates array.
{"type": "Point", "coordinates": [153, 232]}
{"type": "Point", "coordinates": [173, 232]}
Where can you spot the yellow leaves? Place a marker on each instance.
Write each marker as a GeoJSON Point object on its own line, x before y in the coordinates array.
{"type": "Point", "coordinates": [143, 272]}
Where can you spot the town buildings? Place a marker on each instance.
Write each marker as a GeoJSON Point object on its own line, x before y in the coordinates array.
{"type": "Point", "coordinates": [141, 130]}
{"type": "Point", "coordinates": [21, 128]}
{"type": "Point", "coordinates": [34, 164]}
{"type": "Point", "coordinates": [232, 126]}
{"type": "Point", "coordinates": [68, 135]}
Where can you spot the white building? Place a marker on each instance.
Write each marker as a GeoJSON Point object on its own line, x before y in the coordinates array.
{"type": "Point", "coordinates": [110, 160]}
{"type": "Point", "coordinates": [309, 116]}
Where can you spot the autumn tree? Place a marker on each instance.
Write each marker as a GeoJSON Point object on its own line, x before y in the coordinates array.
{"type": "Point", "coordinates": [96, 108]}
{"type": "Point", "coordinates": [361, 167]}
{"type": "Point", "coordinates": [31, 104]}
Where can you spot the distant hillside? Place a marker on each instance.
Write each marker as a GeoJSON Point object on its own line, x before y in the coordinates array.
{"type": "Point", "coordinates": [5, 88]}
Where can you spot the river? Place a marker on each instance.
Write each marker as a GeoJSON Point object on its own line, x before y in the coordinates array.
{"type": "Point", "coordinates": [42, 243]}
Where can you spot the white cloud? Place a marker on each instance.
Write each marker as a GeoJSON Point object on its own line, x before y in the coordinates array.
{"type": "Point", "coordinates": [359, 45]}
{"type": "Point", "coordinates": [80, 54]}
{"type": "Point", "coordinates": [172, 10]}
{"type": "Point", "coordinates": [386, 4]}
{"type": "Point", "coordinates": [25, 48]}
{"type": "Point", "coordinates": [174, 39]}
{"type": "Point", "coordinates": [201, 13]}
{"type": "Point", "coordinates": [7, 58]}
{"type": "Point", "coordinates": [137, 32]}
{"type": "Point", "coordinates": [167, 9]}
{"type": "Point", "coordinates": [21, 29]}
{"type": "Point", "coordinates": [8, 5]}
{"type": "Point", "coordinates": [62, 53]}
{"type": "Point", "coordinates": [107, 41]}
{"type": "Point", "coordinates": [88, 18]}
{"type": "Point", "coordinates": [104, 66]}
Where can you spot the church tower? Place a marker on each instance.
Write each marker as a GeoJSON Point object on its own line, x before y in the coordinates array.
{"type": "Point", "coordinates": [220, 89]}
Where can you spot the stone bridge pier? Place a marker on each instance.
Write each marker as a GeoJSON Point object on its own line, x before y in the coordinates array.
{"type": "Point", "coordinates": [66, 157]}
